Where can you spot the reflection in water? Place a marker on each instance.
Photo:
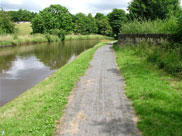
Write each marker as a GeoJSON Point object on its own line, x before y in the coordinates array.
{"type": "Point", "coordinates": [24, 66]}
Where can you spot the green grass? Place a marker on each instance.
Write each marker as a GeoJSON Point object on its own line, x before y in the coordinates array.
{"type": "Point", "coordinates": [156, 97]}
{"type": "Point", "coordinates": [23, 29]}
{"type": "Point", "coordinates": [88, 37]}
{"type": "Point", "coordinates": [35, 112]}
{"type": "Point", "coordinates": [166, 56]}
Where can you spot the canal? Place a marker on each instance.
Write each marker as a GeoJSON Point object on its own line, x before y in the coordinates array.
{"type": "Point", "coordinates": [22, 67]}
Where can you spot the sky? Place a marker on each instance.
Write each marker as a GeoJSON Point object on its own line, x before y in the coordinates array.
{"type": "Point", "coordinates": [74, 6]}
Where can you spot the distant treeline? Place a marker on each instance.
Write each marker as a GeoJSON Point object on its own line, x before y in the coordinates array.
{"type": "Point", "coordinates": [57, 20]}
{"type": "Point", "coordinates": [21, 15]}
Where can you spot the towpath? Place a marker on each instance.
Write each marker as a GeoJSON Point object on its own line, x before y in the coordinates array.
{"type": "Point", "coordinates": [98, 106]}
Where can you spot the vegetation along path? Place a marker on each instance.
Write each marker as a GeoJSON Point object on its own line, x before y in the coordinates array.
{"type": "Point", "coordinates": [98, 106]}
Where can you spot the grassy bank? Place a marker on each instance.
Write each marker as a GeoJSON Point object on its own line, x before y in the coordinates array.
{"type": "Point", "coordinates": [22, 36]}
{"type": "Point", "coordinates": [7, 40]}
{"type": "Point", "coordinates": [155, 95]}
{"type": "Point", "coordinates": [35, 112]}
{"type": "Point", "coordinates": [165, 56]}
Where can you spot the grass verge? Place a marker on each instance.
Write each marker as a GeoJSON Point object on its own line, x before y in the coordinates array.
{"type": "Point", "coordinates": [156, 97]}
{"type": "Point", "coordinates": [8, 40]}
{"type": "Point", "coordinates": [35, 112]}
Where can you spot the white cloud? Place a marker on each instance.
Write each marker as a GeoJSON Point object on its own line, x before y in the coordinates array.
{"type": "Point", "coordinates": [18, 2]}
{"type": "Point", "coordinates": [23, 64]}
{"type": "Point", "coordinates": [74, 6]}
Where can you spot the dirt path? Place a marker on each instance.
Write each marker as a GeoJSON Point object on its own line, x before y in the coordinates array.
{"type": "Point", "coordinates": [98, 106]}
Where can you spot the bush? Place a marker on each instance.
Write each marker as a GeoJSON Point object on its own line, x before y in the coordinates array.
{"type": "Point", "coordinates": [165, 56]}
{"type": "Point", "coordinates": [168, 26]}
{"type": "Point", "coordinates": [58, 32]}
{"type": "Point", "coordinates": [6, 25]}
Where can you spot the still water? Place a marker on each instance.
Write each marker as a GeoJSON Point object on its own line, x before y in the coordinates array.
{"type": "Point", "coordinates": [22, 67]}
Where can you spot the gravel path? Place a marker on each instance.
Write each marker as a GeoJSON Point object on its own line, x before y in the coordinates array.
{"type": "Point", "coordinates": [98, 106]}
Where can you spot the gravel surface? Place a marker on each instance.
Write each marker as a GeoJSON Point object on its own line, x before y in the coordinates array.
{"type": "Point", "coordinates": [98, 106]}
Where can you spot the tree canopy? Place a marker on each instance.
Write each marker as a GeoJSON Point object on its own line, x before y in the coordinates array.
{"type": "Point", "coordinates": [84, 24]}
{"type": "Point", "coordinates": [104, 27]}
{"type": "Point", "coordinates": [53, 17]}
{"type": "Point", "coordinates": [117, 18]}
{"type": "Point", "coordinates": [153, 9]}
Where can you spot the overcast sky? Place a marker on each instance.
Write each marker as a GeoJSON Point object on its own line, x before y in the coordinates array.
{"type": "Point", "coordinates": [74, 6]}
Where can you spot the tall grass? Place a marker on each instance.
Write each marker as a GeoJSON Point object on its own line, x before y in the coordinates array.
{"type": "Point", "coordinates": [87, 37]}
{"type": "Point", "coordinates": [168, 26]}
{"type": "Point", "coordinates": [23, 29]}
{"type": "Point", "coordinates": [166, 56]}
{"type": "Point", "coordinates": [26, 39]}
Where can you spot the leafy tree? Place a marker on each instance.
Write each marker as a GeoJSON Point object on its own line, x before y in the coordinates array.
{"type": "Point", "coordinates": [6, 25]}
{"type": "Point", "coordinates": [117, 18]}
{"type": "Point", "coordinates": [99, 16]}
{"type": "Point", "coordinates": [103, 24]}
{"type": "Point", "coordinates": [92, 24]}
{"type": "Point", "coordinates": [153, 9]}
{"type": "Point", "coordinates": [53, 17]}
{"type": "Point", "coordinates": [84, 24]}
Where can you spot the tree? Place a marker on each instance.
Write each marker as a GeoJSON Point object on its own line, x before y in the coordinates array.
{"type": "Point", "coordinates": [153, 9]}
{"type": "Point", "coordinates": [84, 24]}
{"type": "Point", "coordinates": [53, 17]}
{"type": "Point", "coordinates": [104, 27]}
{"type": "Point", "coordinates": [99, 16]}
{"type": "Point", "coordinates": [117, 18]}
{"type": "Point", "coordinates": [21, 15]}
{"type": "Point", "coordinates": [6, 25]}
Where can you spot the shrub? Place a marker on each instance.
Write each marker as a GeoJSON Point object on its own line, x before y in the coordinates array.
{"type": "Point", "coordinates": [6, 25]}
{"type": "Point", "coordinates": [165, 56]}
{"type": "Point", "coordinates": [168, 26]}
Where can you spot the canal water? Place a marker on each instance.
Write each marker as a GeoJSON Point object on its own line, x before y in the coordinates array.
{"type": "Point", "coordinates": [22, 67]}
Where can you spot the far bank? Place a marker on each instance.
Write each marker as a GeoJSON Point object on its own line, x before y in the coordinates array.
{"type": "Point", "coordinates": [14, 40]}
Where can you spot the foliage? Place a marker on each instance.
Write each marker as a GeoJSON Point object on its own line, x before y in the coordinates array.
{"type": "Point", "coordinates": [167, 56]}
{"type": "Point", "coordinates": [53, 17]}
{"type": "Point", "coordinates": [99, 16]}
{"type": "Point", "coordinates": [168, 26]}
{"type": "Point", "coordinates": [58, 32]}
{"type": "Point", "coordinates": [38, 24]}
{"type": "Point", "coordinates": [156, 97]}
{"type": "Point", "coordinates": [179, 31]}
{"type": "Point", "coordinates": [103, 24]}
{"type": "Point", "coordinates": [84, 24]}
{"type": "Point", "coordinates": [21, 15]}
{"type": "Point", "coordinates": [117, 18]}
{"type": "Point", "coordinates": [6, 25]}
{"type": "Point", "coordinates": [42, 105]}
{"type": "Point", "coordinates": [153, 9]}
